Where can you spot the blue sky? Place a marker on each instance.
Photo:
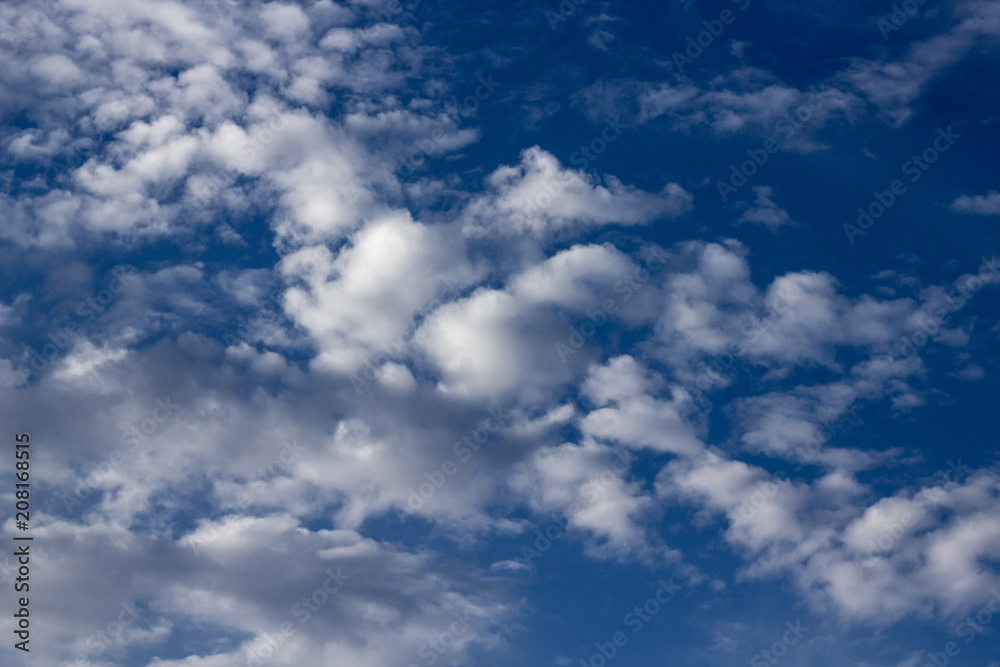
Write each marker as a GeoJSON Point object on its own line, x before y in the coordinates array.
{"type": "Point", "coordinates": [546, 334]}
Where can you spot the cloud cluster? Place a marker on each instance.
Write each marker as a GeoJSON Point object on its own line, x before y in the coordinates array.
{"type": "Point", "coordinates": [537, 347]}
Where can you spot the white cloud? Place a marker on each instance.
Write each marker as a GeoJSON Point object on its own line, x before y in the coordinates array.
{"type": "Point", "coordinates": [368, 295]}
{"type": "Point", "coordinates": [375, 605]}
{"type": "Point", "coordinates": [988, 204]}
{"type": "Point", "coordinates": [746, 99]}
{"type": "Point", "coordinates": [764, 211]}
{"type": "Point", "coordinates": [895, 85]}
{"type": "Point", "coordinates": [628, 415]}
{"type": "Point", "coordinates": [541, 197]}
{"type": "Point", "coordinates": [588, 484]}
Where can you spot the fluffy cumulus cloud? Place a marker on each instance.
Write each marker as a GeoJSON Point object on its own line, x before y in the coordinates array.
{"type": "Point", "coordinates": [333, 350]}
{"type": "Point", "coordinates": [541, 196]}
